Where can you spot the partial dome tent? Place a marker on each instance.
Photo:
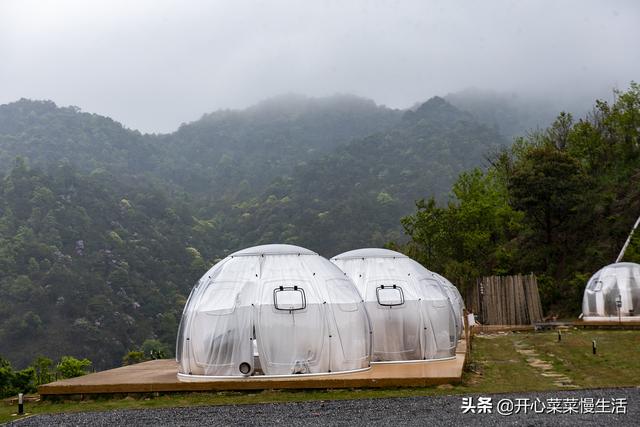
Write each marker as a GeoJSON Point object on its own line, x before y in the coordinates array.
{"type": "Point", "coordinates": [456, 301]}
{"type": "Point", "coordinates": [411, 315]}
{"type": "Point", "coordinates": [272, 310]}
{"type": "Point", "coordinates": [613, 294]}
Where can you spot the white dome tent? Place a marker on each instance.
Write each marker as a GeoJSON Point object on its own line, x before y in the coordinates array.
{"type": "Point", "coordinates": [456, 301]}
{"type": "Point", "coordinates": [613, 294]}
{"type": "Point", "coordinates": [272, 310]}
{"type": "Point", "coordinates": [411, 315]}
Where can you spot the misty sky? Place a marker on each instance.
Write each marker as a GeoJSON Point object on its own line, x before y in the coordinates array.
{"type": "Point", "coordinates": [154, 64]}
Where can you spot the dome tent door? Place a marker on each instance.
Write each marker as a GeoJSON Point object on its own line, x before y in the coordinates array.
{"type": "Point", "coordinates": [394, 318]}
{"type": "Point", "coordinates": [290, 336]}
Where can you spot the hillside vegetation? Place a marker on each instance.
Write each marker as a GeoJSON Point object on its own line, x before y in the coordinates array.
{"type": "Point", "coordinates": [559, 203]}
{"type": "Point", "coordinates": [103, 230]}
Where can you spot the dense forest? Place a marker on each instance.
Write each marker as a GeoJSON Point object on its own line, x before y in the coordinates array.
{"type": "Point", "coordinates": [104, 230]}
{"type": "Point", "coordinates": [559, 202]}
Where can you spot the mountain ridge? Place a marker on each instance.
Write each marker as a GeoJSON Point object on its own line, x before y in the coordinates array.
{"type": "Point", "coordinates": [104, 230]}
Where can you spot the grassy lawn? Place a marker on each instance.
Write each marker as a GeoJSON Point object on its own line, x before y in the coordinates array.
{"type": "Point", "coordinates": [617, 363]}
{"type": "Point", "coordinates": [499, 363]}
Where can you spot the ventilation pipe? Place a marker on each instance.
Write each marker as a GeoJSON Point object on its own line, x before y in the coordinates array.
{"type": "Point", "coordinates": [626, 244]}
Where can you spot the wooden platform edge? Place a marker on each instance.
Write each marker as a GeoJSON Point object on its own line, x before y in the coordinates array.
{"type": "Point", "coordinates": [46, 390]}
{"type": "Point", "coordinates": [160, 376]}
{"type": "Point", "coordinates": [538, 326]}
{"type": "Point", "coordinates": [99, 386]}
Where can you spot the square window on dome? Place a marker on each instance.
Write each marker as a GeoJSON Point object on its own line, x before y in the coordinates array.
{"type": "Point", "coordinates": [390, 295]}
{"type": "Point", "coordinates": [598, 286]}
{"type": "Point", "coordinates": [289, 298]}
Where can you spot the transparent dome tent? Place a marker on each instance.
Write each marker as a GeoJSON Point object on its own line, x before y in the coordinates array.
{"type": "Point", "coordinates": [613, 294]}
{"type": "Point", "coordinates": [411, 316]}
{"type": "Point", "coordinates": [272, 310]}
{"type": "Point", "coordinates": [456, 301]}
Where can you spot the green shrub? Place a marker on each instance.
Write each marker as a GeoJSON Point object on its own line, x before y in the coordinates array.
{"type": "Point", "coordinates": [70, 367]}
{"type": "Point", "coordinates": [13, 382]}
{"type": "Point", "coordinates": [133, 357]}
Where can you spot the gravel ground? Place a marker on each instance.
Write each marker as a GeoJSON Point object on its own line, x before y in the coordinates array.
{"type": "Point", "coordinates": [444, 410]}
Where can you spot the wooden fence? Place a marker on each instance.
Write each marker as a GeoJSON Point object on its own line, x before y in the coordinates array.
{"type": "Point", "coordinates": [506, 300]}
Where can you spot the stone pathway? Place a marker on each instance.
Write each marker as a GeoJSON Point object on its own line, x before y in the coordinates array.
{"type": "Point", "coordinates": [546, 369]}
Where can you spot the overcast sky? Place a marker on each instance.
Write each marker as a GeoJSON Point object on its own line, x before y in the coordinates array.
{"type": "Point", "coordinates": [154, 64]}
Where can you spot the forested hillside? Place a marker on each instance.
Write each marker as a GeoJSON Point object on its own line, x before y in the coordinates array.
{"type": "Point", "coordinates": [48, 135]}
{"type": "Point", "coordinates": [354, 196]}
{"type": "Point", "coordinates": [90, 266]}
{"type": "Point", "coordinates": [223, 154]}
{"type": "Point", "coordinates": [234, 154]}
{"type": "Point", "coordinates": [103, 230]}
{"type": "Point", "coordinates": [559, 203]}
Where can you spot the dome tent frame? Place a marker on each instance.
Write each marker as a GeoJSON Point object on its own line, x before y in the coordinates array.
{"type": "Point", "coordinates": [279, 310]}
{"type": "Point", "coordinates": [613, 294]}
{"type": "Point", "coordinates": [421, 324]}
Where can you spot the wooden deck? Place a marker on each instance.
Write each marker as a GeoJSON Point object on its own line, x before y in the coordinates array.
{"type": "Point", "coordinates": [160, 376]}
{"type": "Point", "coordinates": [491, 329]}
{"type": "Point", "coordinates": [607, 324]}
{"type": "Point", "coordinates": [539, 326]}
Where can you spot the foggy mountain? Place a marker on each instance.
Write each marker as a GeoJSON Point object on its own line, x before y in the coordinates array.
{"type": "Point", "coordinates": [103, 229]}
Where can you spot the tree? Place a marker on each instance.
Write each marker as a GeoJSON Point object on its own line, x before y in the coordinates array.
{"type": "Point", "coordinates": [13, 382]}
{"type": "Point", "coordinates": [465, 239]}
{"type": "Point", "coordinates": [549, 186]}
{"type": "Point", "coordinates": [483, 220]}
{"type": "Point", "coordinates": [6, 378]}
{"type": "Point", "coordinates": [70, 367]}
{"type": "Point", "coordinates": [42, 370]}
{"type": "Point", "coordinates": [559, 202]}
{"type": "Point", "coordinates": [427, 229]}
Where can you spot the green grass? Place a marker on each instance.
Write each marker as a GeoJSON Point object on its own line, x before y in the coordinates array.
{"type": "Point", "coordinates": [495, 367]}
{"type": "Point", "coordinates": [616, 364]}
